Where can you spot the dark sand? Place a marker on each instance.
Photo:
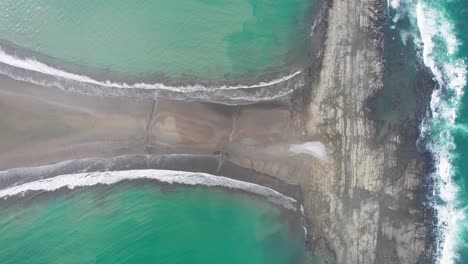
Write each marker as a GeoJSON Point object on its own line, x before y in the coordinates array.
{"type": "Point", "coordinates": [217, 165]}
{"type": "Point", "coordinates": [41, 125]}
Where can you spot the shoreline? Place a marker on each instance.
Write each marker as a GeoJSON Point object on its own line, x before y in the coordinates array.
{"type": "Point", "coordinates": [266, 85]}
{"type": "Point", "coordinates": [379, 185]}
{"type": "Point", "coordinates": [162, 177]}
{"type": "Point", "coordinates": [286, 197]}
{"type": "Point", "coordinates": [107, 75]}
{"type": "Point", "coordinates": [298, 40]}
{"type": "Point", "coordinates": [413, 138]}
{"type": "Point", "coordinates": [67, 126]}
{"type": "Point", "coordinates": [278, 83]}
{"type": "Point", "coordinates": [42, 75]}
{"type": "Point", "coordinates": [216, 165]}
{"type": "Point", "coordinates": [438, 129]}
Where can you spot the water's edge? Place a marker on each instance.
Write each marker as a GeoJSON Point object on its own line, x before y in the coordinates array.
{"type": "Point", "coordinates": [183, 169]}
{"type": "Point", "coordinates": [24, 65]}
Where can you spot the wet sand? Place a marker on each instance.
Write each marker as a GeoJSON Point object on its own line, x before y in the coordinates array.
{"type": "Point", "coordinates": [43, 125]}
{"type": "Point", "coordinates": [218, 165]}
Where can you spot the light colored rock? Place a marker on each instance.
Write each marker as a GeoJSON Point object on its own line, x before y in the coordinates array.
{"type": "Point", "coordinates": [362, 181]}
{"type": "Point", "coordinates": [315, 149]}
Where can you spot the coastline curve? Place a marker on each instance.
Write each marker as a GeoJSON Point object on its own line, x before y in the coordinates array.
{"type": "Point", "coordinates": [31, 70]}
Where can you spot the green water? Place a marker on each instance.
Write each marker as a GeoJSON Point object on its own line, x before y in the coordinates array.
{"type": "Point", "coordinates": [210, 39]}
{"type": "Point", "coordinates": [143, 223]}
{"type": "Point", "coordinates": [440, 28]}
{"type": "Point", "coordinates": [449, 127]}
{"type": "Point", "coordinates": [458, 11]}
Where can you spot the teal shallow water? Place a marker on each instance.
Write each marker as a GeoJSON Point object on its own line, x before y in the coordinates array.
{"type": "Point", "coordinates": [144, 223]}
{"type": "Point", "coordinates": [458, 11]}
{"type": "Point", "coordinates": [211, 39]}
{"type": "Point", "coordinates": [446, 22]}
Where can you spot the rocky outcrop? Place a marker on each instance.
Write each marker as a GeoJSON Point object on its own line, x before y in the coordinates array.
{"type": "Point", "coordinates": [368, 209]}
{"type": "Point", "coordinates": [365, 204]}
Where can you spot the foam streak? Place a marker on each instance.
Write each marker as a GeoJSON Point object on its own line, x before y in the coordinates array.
{"type": "Point", "coordinates": [450, 74]}
{"type": "Point", "coordinates": [36, 66]}
{"type": "Point", "coordinates": [72, 181]}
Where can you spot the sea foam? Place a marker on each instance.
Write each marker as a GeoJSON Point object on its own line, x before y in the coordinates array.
{"type": "Point", "coordinates": [439, 47]}
{"type": "Point", "coordinates": [196, 91]}
{"type": "Point", "coordinates": [72, 181]}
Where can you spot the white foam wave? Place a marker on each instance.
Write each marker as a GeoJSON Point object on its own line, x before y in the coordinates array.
{"type": "Point", "coordinates": [428, 31]}
{"type": "Point", "coordinates": [400, 9]}
{"type": "Point", "coordinates": [395, 4]}
{"type": "Point", "coordinates": [72, 181]}
{"type": "Point", "coordinates": [32, 64]}
{"type": "Point", "coordinates": [405, 36]}
{"type": "Point", "coordinates": [450, 72]}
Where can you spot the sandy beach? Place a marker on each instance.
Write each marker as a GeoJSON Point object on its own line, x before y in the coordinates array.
{"type": "Point", "coordinates": [46, 125]}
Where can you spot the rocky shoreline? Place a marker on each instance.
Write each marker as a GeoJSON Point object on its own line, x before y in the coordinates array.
{"type": "Point", "coordinates": [369, 203]}
{"type": "Point", "coordinates": [373, 190]}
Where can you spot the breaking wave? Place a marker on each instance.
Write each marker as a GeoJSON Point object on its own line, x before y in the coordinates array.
{"type": "Point", "coordinates": [31, 70]}
{"type": "Point", "coordinates": [439, 54]}
{"type": "Point", "coordinates": [434, 32]}
{"type": "Point", "coordinates": [72, 181]}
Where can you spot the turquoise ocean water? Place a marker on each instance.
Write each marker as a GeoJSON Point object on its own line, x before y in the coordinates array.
{"type": "Point", "coordinates": [439, 31]}
{"type": "Point", "coordinates": [224, 51]}
{"type": "Point", "coordinates": [148, 223]}
{"type": "Point", "coordinates": [206, 39]}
